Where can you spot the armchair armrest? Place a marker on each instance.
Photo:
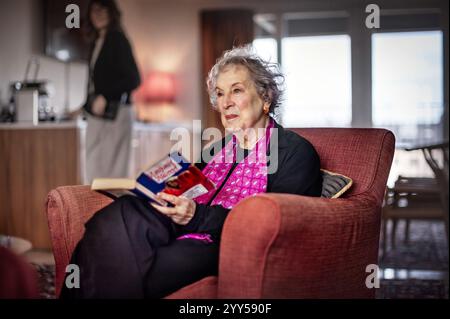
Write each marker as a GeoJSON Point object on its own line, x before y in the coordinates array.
{"type": "Point", "coordinates": [290, 246]}
{"type": "Point", "coordinates": [68, 209]}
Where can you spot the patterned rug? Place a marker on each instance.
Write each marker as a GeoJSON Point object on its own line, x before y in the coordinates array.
{"type": "Point", "coordinates": [46, 280]}
{"type": "Point", "coordinates": [427, 250]}
{"type": "Point", "coordinates": [412, 289]}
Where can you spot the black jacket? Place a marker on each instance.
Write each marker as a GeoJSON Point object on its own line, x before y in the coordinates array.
{"type": "Point", "coordinates": [115, 71]}
{"type": "Point", "coordinates": [298, 173]}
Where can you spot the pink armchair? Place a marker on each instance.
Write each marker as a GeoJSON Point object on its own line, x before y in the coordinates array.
{"type": "Point", "coordinates": [277, 245]}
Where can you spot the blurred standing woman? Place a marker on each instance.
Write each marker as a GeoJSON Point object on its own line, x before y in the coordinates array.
{"type": "Point", "coordinates": [113, 75]}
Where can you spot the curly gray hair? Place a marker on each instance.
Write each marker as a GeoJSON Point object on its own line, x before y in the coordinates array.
{"type": "Point", "coordinates": [266, 76]}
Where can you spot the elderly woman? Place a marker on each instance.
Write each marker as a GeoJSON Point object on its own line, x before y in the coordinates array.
{"type": "Point", "coordinates": [133, 249]}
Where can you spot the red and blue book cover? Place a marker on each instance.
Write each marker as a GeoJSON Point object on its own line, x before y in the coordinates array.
{"type": "Point", "coordinates": [173, 175]}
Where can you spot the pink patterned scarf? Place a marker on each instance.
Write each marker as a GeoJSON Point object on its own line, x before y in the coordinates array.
{"type": "Point", "coordinates": [248, 178]}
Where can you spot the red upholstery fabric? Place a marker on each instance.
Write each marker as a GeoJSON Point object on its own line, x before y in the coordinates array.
{"type": "Point", "coordinates": [278, 245]}
{"type": "Point", "coordinates": [68, 209]}
{"type": "Point", "coordinates": [303, 247]}
{"type": "Point", "coordinates": [205, 288]}
{"type": "Point", "coordinates": [365, 155]}
{"type": "Point", "coordinates": [18, 279]}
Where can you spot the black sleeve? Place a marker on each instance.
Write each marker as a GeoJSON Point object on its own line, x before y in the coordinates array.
{"type": "Point", "coordinates": [207, 219]}
{"type": "Point", "coordinates": [298, 172]}
{"type": "Point", "coordinates": [128, 77]}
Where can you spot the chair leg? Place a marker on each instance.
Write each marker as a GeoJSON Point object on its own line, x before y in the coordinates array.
{"type": "Point", "coordinates": [444, 202]}
{"type": "Point", "coordinates": [393, 232]}
{"type": "Point", "coordinates": [446, 227]}
{"type": "Point", "coordinates": [384, 238]}
{"type": "Point", "coordinates": [407, 231]}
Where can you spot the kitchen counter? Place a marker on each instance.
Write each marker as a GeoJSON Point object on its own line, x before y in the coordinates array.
{"type": "Point", "coordinates": [137, 126]}
{"type": "Point", "coordinates": [34, 160]}
{"type": "Point", "coordinates": [42, 125]}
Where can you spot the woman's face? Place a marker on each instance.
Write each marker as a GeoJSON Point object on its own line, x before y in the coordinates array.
{"type": "Point", "coordinates": [99, 16]}
{"type": "Point", "coordinates": [238, 102]}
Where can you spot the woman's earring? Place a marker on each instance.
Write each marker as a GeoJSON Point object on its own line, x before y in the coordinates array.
{"type": "Point", "coordinates": [266, 109]}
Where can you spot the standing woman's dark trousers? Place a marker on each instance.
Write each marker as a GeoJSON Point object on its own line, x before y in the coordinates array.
{"type": "Point", "coordinates": [129, 250]}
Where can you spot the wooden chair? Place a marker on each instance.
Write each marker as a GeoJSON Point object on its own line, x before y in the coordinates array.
{"type": "Point", "coordinates": [418, 197]}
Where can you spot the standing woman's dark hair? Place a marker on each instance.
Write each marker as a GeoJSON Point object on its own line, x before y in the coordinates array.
{"type": "Point", "coordinates": [114, 15]}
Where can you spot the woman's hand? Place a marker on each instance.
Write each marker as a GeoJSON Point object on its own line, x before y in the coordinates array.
{"type": "Point", "coordinates": [74, 114]}
{"type": "Point", "coordinates": [99, 105]}
{"type": "Point", "coordinates": [181, 213]}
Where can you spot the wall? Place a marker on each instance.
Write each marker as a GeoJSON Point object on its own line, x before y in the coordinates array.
{"type": "Point", "coordinates": [21, 37]}
{"type": "Point", "coordinates": [165, 37]}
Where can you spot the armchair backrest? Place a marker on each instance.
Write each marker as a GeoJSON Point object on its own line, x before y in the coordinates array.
{"type": "Point", "coordinates": [307, 247]}
{"type": "Point", "coordinates": [365, 155]}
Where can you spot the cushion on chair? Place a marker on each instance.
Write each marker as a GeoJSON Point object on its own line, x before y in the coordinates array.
{"type": "Point", "coordinates": [334, 184]}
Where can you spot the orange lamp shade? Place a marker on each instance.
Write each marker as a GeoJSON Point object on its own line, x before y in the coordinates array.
{"type": "Point", "coordinates": [157, 87]}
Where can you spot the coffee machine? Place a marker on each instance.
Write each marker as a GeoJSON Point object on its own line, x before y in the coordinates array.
{"type": "Point", "coordinates": [30, 100]}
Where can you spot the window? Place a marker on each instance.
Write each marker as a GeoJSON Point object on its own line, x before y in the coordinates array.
{"type": "Point", "coordinates": [265, 42]}
{"type": "Point", "coordinates": [318, 81]}
{"type": "Point", "coordinates": [266, 49]}
{"type": "Point", "coordinates": [407, 84]}
{"type": "Point", "coordinates": [397, 73]}
{"type": "Point", "coordinates": [316, 61]}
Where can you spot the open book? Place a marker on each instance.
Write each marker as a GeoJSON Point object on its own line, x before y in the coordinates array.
{"type": "Point", "coordinates": [173, 175]}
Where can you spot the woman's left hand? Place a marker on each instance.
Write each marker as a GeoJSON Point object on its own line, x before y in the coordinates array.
{"type": "Point", "coordinates": [183, 210]}
{"type": "Point", "coordinates": [99, 105]}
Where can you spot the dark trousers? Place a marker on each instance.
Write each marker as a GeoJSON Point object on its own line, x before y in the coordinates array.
{"type": "Point", "coordinates": [129, 250]}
